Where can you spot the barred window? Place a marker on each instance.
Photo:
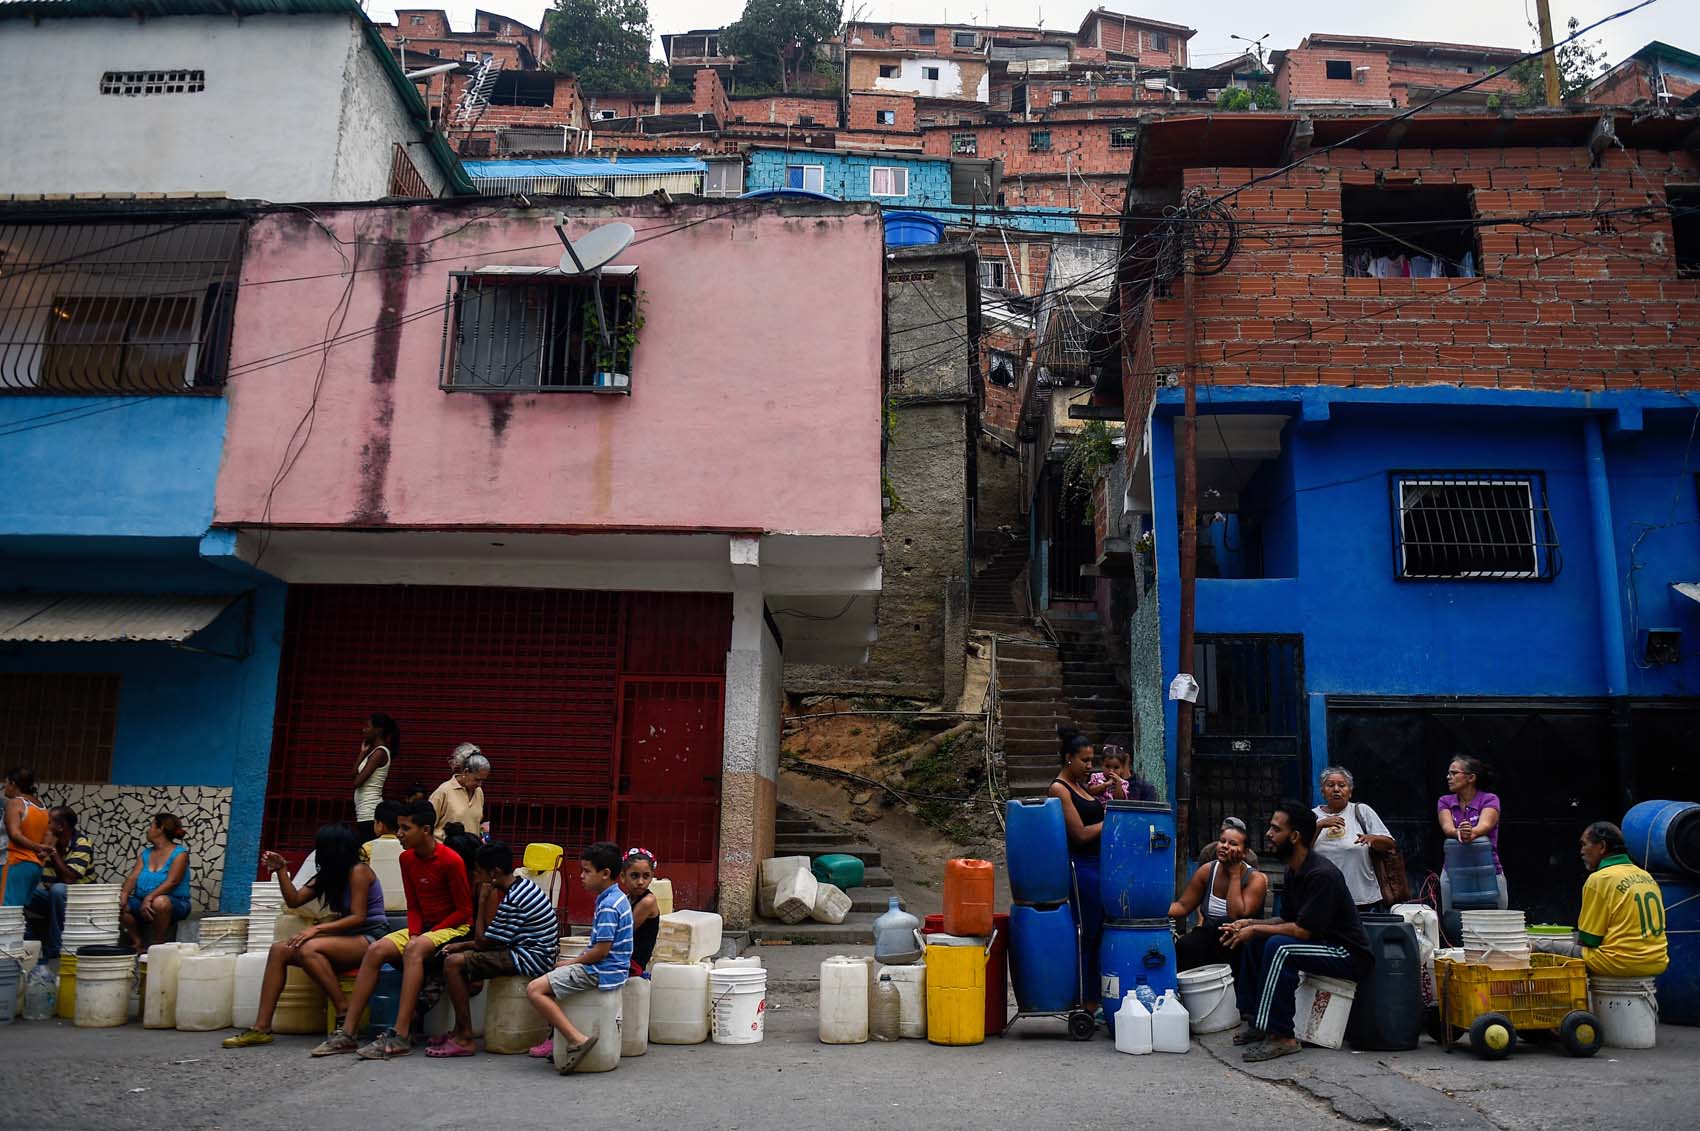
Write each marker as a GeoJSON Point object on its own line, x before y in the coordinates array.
{"type": "Point", "coordinates": [59, 724]}
{"type": "Point", "coordinates": [535, 330]}
{"type": "Point", "coordinates": [1483, 525]}
{"type": "Point", "coordinates": [131, 84]}
{"type": "Point", "coordinates": [964, 145]}
{"type": "Point", "coordinates": [1125, 137]}
{"type": "Point", "coordinates": [1039, 141]}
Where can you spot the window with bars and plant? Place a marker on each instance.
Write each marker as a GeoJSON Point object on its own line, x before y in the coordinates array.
{"type": "Point", "coordinates": [1468, 525]}
{"type": "Point", "coordinates": [539, 331]}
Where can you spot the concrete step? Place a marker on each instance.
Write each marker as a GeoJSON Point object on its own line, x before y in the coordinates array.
{"type": "Point", "coordinates": [868, 856]}
{"type": "Point", "coordinates": [1045, 731]}
{"type": "Point", "coordinates": [1012, 667]}
{"type": "Point", "coordinates": [1034, 762]}
{"type": "Point", "coordinates": [871, 900]}
{"type": "Point", "coordinates": [1029, 694]}
{"type": "Point", "coordinates": [783, 825]}
{"type": "Point", "coordinates": [1072, 668]}
{"type": "Point", "coordinates": [1024, 746]}
{"type": "Point", "coordinates": [1088, 686]}
{"type": "Point", "coordinates": [1025, 651]}
{"type": "Point", "coordinates": [1010, 681]}
{"type": "Point", "coordinates": [1030, 708]}
{"type": "Point", "coordinates": [856, 930]}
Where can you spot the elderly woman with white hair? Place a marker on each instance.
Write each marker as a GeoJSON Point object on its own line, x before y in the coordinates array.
{"type": "Point", "coordinates": [1346, 835]}
{"type": "Point", "coordinates": [460, 800]}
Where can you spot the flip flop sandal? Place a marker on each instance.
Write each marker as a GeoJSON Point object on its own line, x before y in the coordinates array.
{"type": "Point", "coordinates": [1269, 1050]}
{"type": "Point", "coordinates": [448, 1050]}
{"type": "Point", "coordinates": [1249, 1037]}
{"type": "Point", "coordinates": [438, 1041]}
{"type": "Point", "coordinates": [570, 1059]}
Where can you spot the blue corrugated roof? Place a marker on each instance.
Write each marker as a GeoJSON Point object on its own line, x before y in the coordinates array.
{"type": "Point", "coordinates": [583, 167]}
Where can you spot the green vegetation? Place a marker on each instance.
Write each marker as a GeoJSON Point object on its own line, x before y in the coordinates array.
{"type": "Point", "coordinates": [603, 43]}
{"type": "Point", "coordinates": [776, 40]}
{"type": "Point", "coordinates": [1262, 97]}
{"type": "Point", "coordinates": [1579, 63]}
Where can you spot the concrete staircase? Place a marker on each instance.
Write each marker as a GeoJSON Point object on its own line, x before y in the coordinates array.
{"type": "Point", "coordinates": [1030, 708]}
{"type": "Point", "coordinates": [800, 833]}
{"type": "Point", "coordinates": [1099, 705]}
{"type": "Point", "coordinates": [995, 609]}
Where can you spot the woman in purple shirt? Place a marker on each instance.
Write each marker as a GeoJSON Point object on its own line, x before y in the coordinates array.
{"type": "Point", "coordinates": [1467, 813]}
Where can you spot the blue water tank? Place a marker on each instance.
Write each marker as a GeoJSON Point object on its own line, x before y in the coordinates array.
{"type": "Point", "coordinates": [1679, 985]}
{"type": "Point", "coordinates": [911, 229]}
{"type": "Point", "coordinates": [1133, 952]}
{"type": "Point", "coordinates": [384, 1004]}
{"type": "Point", "coordinates": [1469, 867]}
{"type": "Point", "coordinates": [1036, 847]}
{"type": "Point", "coordinates": [1044, 957]}
{"type": "Point", "coordinates": [1137, 860]}
{"type": "Point", "coordinates": [1664, 836]}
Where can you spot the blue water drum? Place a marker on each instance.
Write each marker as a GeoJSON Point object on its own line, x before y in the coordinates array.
{"type": "Point", "coordinates": [1679, 985]}
{"type": "Point", "coordinates": [1137, 860]}
{"type": "Point", "coordinates": [385, 1001]}
{"type": "Point", "coordinates": [1044, 957]}
{"type": "Point", "coordinates": [1134, 951]}
{"type": "Point", "coordinates": [1664, 837]}
{"type": "Point", "coordinates": [1036, 843]}
{"type": "Point", "coordinates": [1475, 884]}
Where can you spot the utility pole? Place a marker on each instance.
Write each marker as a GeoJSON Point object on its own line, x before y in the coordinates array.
{"type": "Point", "coordinates": [1549, 57]}
{"type": "Point", "coordinates": [1189, 555]}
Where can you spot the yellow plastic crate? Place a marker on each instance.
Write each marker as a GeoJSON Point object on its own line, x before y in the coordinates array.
{"type": "Point", "coordinates": [1536, 998]}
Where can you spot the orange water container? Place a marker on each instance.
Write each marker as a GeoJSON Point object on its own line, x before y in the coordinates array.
{"type": "Point", "coordinates": [969, 888]}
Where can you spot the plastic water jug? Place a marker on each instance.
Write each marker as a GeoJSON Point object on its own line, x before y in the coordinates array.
{"type": "Point", "coordinates": [678, 1004]}
{"type": "Point", "coordinates": [1171, 1025]}
{"type": "Point", "coordinates": [41, 994]}
{"type": "Point", "coordinates": [895, 943]}
{"type": "Point", "coordinates": [1133, 1027]}
{"type": "Point", "coordinates": [885, 1011]}
{"type": "Point", "coordinates": [1388, 1011]}
{"type": "Point", "coordinates": [510, 1024]}
{"type": "Point", "coordinates": [634, 1016]}
{"type": "Point", "coordinates": [970, 889]}
{"type": "Point", "coordinates": [1036, 848]}
{"type": "Point", "coordinates": [1469, 868]}
{"type": "Point", "coordinates": [843, 1001]}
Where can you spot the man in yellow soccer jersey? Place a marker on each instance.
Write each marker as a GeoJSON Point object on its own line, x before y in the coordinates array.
{"type": "Point", "coordinates": [1621, 932]}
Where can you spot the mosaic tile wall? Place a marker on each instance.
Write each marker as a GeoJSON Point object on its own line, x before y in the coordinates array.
{"type": "Point", "coordinates": [116, 817]}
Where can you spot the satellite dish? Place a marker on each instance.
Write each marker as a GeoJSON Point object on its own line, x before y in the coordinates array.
{"type": "Point", "coordinates": [595, 248]}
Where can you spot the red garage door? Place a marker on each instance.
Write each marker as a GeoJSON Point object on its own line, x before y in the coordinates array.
{"type": "Point", "coordinates": [540, 679]}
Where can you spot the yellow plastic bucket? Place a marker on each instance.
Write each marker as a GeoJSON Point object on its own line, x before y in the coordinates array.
{"type": "Point", "coordinates": [956, 995]}
{"type": "Point", "coordinates": [67, 1008]}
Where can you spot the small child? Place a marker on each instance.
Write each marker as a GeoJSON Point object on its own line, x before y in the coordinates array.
{"type": "Point", "coordinates": [1110, 783]}
{"type": "Point", "coordinates": [604, 965]}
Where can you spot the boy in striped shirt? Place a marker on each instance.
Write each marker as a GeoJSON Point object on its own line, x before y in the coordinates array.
{"type": "Point", "coordinates": [600, 967]}
{"type": "Point", "coordinates": [519, 940]}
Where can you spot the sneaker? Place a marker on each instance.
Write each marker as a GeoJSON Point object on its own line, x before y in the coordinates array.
{"type": "Point", "coordinates": [337, 1042]}
{"type": "Point", "coordinates": [1250, 1035]}
{"type": "Point", "coordinates": [388, 1044]}
{"type": "Point", "coordinates": [248, 1038]}
{"type": "Point", "coordinates": [1269, 1048]}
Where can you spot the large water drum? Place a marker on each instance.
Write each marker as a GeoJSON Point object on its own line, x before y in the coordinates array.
{"type": "Point", "coordinates": [1664, 836]}
{"type": "Point", "coordinates": [1044, 959]}
{"type": "Point", "coordinates": [1679, 985]}
{"type": "Point", "coordinates": [1133, 952]}
{"type": "Point", "coordinates": [1137, 860]}
{"type": "Point", "coordinates": [1036, 850]}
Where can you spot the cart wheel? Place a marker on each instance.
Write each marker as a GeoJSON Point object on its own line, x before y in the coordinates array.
{"type": "Point", "coordinates": [1432, 1025]}
{"type": "Point", "coordinates": [1580, 1033]}
{"type": "Point", "coordinates": [1492, 1037]}
{"type": "Point", "coordinates": [1081, 1026]}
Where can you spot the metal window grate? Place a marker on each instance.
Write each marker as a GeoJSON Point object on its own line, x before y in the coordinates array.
{"type": "Point", "coordinates": [60, 724]}
{"type": "Point", "coordinates": [1039, 141]}
{"type": "Point", "coordinates": [117, 307]}
{"type": "Point", "coordinates": [133, 84]}
{"type": "Point", "coordinates": [964, 145]}
{"type": "Point", "coordinates": [405, 179]}
{"type": "Point", "coordinates": [516, 333]}
{"type": "Point", "coordinates": [1474, 525]}
{"type": "Point", "coordinates": [1124, 138]}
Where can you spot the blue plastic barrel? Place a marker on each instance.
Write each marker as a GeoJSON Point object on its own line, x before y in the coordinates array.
{"type": "Point", "coordinates": [1044, 960]}
{"type": "Point", "coordinates": [1679, 985]}
{"type": "Point", "coordinates": [910, 229]}
{"type": "Point", "coordinates": [385, 1001]}
{"type": "Point", "coordinates": [1036, 848]}
{"type": "Point", "coordinates": [1664, 837]}
{"type": "Point", "coordinates": [1134, 951]}
{"type": "Point", "coordinates": [1137, 860]}
{"type": "Point", "coordinates": [1469, 868]}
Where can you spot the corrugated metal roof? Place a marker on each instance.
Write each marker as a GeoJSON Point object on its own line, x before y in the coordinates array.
{"type": "Point", "coordinates": [59, 618]}
{"type": "Point", "coordinates": [583, 167]}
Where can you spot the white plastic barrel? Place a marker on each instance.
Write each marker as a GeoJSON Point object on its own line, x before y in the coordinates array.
{"type": "Point", "coordinates": [911, 983]}
{"type": "Point", "coordinates": [739, 998]}
{"type": "Point", "coordinates": [1208, 994]}
{"type": "Point", "coordinates": [1322, 1006]}
{"type": "Point", "coordinates": [678, 1004]}
{"type": "Point", "coordinates": [595, 1013]}
{"type": "Point", "coordinates": [1628, 1009]}
{"type": "Point", "coordinates": [510, 1024]}
{"type": "Point", "coordinates": [159, 1006]}
{"type": "Point", "coordinates": [634, 1017]}
{"type": "Point", "coordinates": [206, 985]}
{"type": "Point", "coordinates": [103, 990]}
{"type": "Point", "coordinates": [245, 990]}
{"type": "Point", "coordinates": [844, 1001]}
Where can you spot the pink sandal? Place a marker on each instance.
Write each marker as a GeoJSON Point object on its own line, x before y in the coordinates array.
{"type": "Point", "coordinates": [449, 1049]}
{"type": "Point", "coordinates": [543, 1050]}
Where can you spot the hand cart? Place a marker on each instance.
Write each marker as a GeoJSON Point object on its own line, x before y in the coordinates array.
{"type": "Point", "coordinates": [1494, 1005]}
{"type": "Point", "coordinates": [1081, 1023]}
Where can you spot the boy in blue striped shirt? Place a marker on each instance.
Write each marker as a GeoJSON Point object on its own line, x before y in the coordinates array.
{"type": "Point", "coordinates": [520, 939]}
{"type": "Point", "coordinates": [603, 965]}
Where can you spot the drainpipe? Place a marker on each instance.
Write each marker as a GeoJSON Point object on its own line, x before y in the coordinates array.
{"type": "Point", "coordinates": [1189, 563]}
{"type": "Point", "coordinates": [1612, 642]}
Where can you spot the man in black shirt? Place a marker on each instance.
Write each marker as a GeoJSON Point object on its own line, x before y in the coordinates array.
{"type": "Point", "coordinates": [1323, 936]}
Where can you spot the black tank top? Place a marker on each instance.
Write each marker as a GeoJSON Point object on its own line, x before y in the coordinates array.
{"type": "Point", "coordinates": [1091, 812]}
{"type": "Point", "coordinates": [643, 939]}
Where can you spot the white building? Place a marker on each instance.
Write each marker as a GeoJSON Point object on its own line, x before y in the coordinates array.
{"type": "Point", "coordinates": [281, 100]}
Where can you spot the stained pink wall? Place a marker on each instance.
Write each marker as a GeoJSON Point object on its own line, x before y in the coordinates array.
{"type": "Point", "coordinates": [755, 397]}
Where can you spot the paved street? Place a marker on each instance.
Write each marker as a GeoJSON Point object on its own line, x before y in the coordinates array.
{"type": "Point", "coordinates": [1034, 1076]}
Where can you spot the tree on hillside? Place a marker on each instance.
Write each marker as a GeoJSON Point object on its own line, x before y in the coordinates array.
{"type": "Point", "coordinates": [604, 43]}
{"type": "Point", "coordinates": [776, 39]}
{"type": "Point", "coordinates": [1580, 62]}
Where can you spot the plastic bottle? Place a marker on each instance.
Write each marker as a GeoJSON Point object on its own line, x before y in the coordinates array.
{"type": "Point", "coordinates": [41, 994]}
{"type": "Point", "coordinates": [1171, 1025]}
{"type": "Point", "coordinates": [1147, 997]}
{"type": "Point", "coordinates": [1133, 1026]}
{"type": "Point", "coordinates": [885, 1011]}
{"type": "Point", "coordinates": [895, 943]}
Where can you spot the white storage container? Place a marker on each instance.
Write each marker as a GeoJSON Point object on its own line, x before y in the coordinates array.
{"type": "Point", "coordinates": [1171, 1025]}
{"type": "Point", "coordinates": [510, 1024]}
{"type": "Point", "coordinates": [774, 871]}
{"type": "Point", "coordinates": [831, 905]}
{"type": "Point", "coordinates": [1321, 1008]}
{"type": "Point", "coordinates": [206, 986]}
{"type": "Point", "coordinates": [678, 1004]}
{"type": "Point", "coordinates": [687, 936]}
{"type": "Point", "coordinates": [634, 1017]}
{"type": "Point", "coordinates": [595, 1013]}
{"type": "Point", "coordinates": [103, 990]}
{"type": "Point", "coordinates": [245, 990]}
{"type": "Point", "coordinates": [663, 891]}
{"type": "Point", "coordinates": [911, 983]}
{"type": "Point", "coordinates": [795, 897]}
{"type": "Point", "coordinates": [159, 1007]}
{"type": "Point", "coordinates": [844, 1000]}
{"type": "Point", "coordinates": [738, 1003]}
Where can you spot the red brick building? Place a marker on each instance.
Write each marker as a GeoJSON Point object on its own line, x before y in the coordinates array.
{"type": "Point", "coordinates": [1364, 71]}
{"type": "Point", "coordinates": [1152, 42]}
{"type": "Point", "coordinates": [1658, 74]}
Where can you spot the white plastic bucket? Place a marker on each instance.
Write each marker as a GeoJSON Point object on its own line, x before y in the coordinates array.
{"type": "Point", "coordinates": [1208, 994]}
{"type": "Point", "coordinates": [1628, 1009]}
{"type": "Point", "coordinates": [11, 977]}
{"type": "Point", "coordinates": [739, 995]}
{"type": "Point", "coordinates": [1321, 1008]}
{"type": "Point", "coordinates": [103, 990]}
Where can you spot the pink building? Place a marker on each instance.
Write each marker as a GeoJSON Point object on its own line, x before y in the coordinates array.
{"type": "Point", "coordinates": [590, 554]}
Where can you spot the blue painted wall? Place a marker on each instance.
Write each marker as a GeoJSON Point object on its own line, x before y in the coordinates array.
{"type": "Point", "coordinates": [1366, 633]}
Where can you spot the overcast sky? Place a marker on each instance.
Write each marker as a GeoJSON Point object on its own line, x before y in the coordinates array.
{"type": "Point", "coordinates": [1497, 22]}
